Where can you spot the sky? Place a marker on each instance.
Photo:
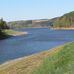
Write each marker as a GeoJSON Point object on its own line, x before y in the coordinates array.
{"type": "Point", "coordinates": [12, 10]}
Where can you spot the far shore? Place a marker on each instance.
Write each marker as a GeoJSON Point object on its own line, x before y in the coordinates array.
{"type": "Point", "coordinates": [63, 28]}
{"type": "Point", "coordinates": [71, 28]}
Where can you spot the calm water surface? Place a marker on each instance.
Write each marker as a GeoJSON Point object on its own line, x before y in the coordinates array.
{"type": "Point", "coordinates": [38, 39]}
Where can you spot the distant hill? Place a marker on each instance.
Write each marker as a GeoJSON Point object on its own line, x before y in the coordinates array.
{"type": "Point", "coordinates": [32, 23]}
{"type": "Point", "coordinates": [67, 20]}
{"type": "Point", "coordinates": [20, 24]}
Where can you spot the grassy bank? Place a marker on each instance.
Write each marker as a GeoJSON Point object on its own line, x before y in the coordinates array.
{"type": "Point", "coordinates": [14, 33]}
{"type": "Point", "coordinates": [58, 60]}
{"type": "Point", "coordinates": [61, 62]}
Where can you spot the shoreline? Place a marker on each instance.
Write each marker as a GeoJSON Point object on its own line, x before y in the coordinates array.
{"type": "Point", "coordinates": [34, 59]}
{"type": "Point", "coordinates": [42, 54]}
{"type": "Point", "coordinates": [62, 28]}
{"type": "Point", "coordinates": [30, 63]}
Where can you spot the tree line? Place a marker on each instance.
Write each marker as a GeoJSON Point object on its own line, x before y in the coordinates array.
{"type": "Point", "coordinates": [3, 25]}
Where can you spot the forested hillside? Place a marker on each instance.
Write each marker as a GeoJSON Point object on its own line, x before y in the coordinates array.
{"type": "Point", "coordinates": [66, 21]}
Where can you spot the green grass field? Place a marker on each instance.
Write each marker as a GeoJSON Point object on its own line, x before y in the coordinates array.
{"type": "Point", "coordinates": [59, 60]}
{"type": "Point", "coordinates": [14, 33]}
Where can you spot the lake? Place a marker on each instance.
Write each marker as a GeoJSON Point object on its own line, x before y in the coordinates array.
{"type": "Point", "coordinates": [37, 40]}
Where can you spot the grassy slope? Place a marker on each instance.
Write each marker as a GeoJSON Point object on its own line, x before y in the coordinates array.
{"type": "Point", "coordinates": [60, 60]}
{"type": "Point", "coordinates": [14, 33]}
